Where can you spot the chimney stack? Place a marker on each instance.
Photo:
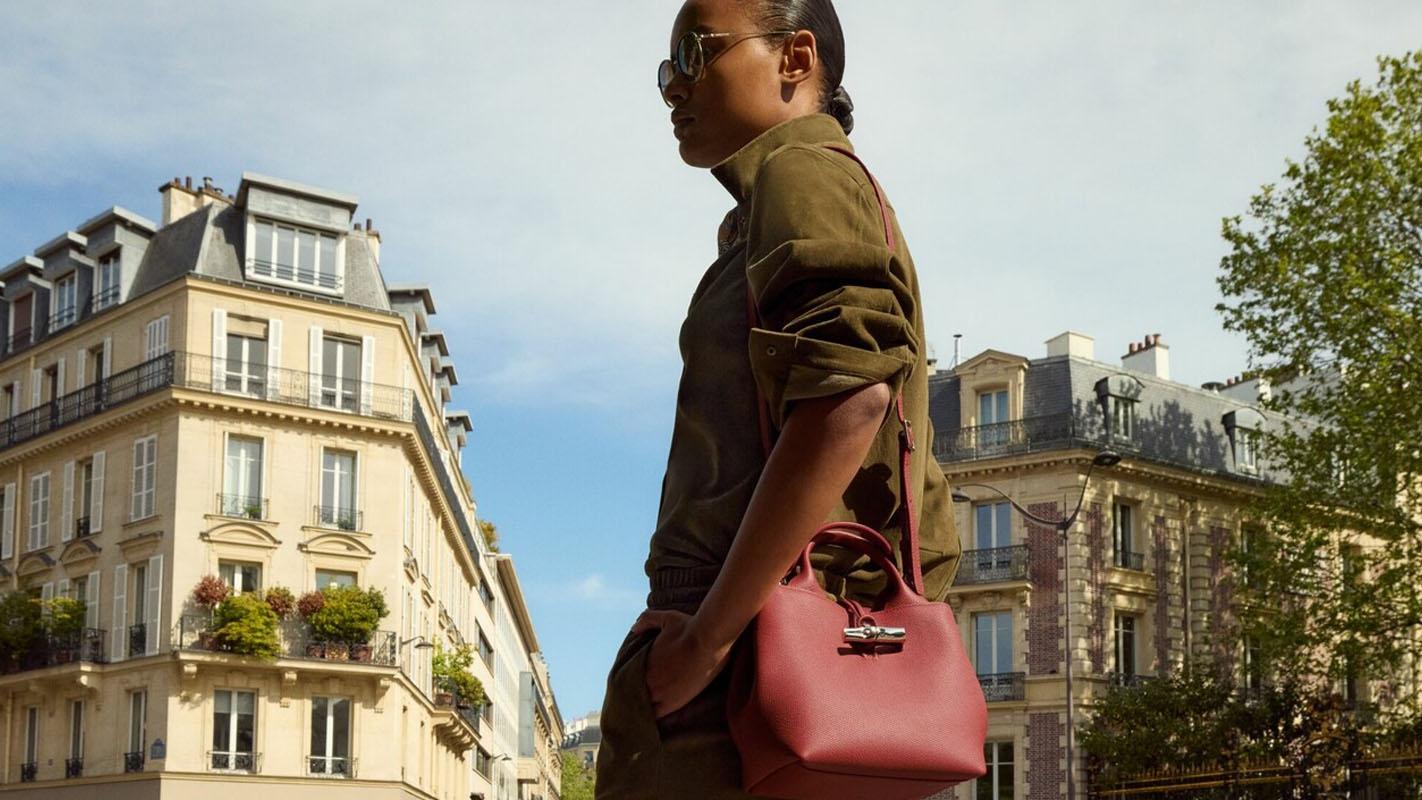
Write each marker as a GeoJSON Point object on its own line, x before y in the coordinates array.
{"type": "Point", "coordinates": [181, 199]}
{"type": "Point", "coordinates": [1071, 343]}
{"type": "Point", "coordinates": [1150, 356]}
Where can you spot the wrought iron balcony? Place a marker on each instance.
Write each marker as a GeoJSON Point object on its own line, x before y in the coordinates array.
{"type": "Point", "coordinates": [73, 767]}
{"type": "Point", "coordinates": [50, 651]}
{"type": "Point", "coordinates": [1130, 560]}
{"type": "Point", "coordinates": [242, 506]}
{"type": "Point", "coordinates": [234, 761]}
{"type": "Point", "coordinates": [133, 762]}
{"type": "Point", "coordinates": [330, 766]}
{"type": "Point", "coordinates": [1000, 686]}
{"type": "Point", "coordinates": [28, 771]}
{"type": "Point", "coordinates": [137, 639]}
{"type": "Point", "coordinates": [294, 274]}
{"type": "Point", "coordinates": [1127, 679]}
{"type": "Point", "coordinates": [19, 340]}
{"type": "Point", "coordinates": [447, 696]}
{"type": "Point", "coordinates": [988, 565]}
{"type": "Point", "coordinates": [202, 373]}
{"type": "Point", "coordinates": [106, 298]}
{"type": "Point", "coordinates": [64, 316]}
{"type": "Point", "coordinates": [195, 632]}
{"type": "Point", "coordinates": [1031, 434]}
{"type": "Point", "coordinates": [347, 519]}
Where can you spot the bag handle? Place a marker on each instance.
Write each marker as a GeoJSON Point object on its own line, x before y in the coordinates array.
{"type": "Point", "coordinates": [913, 571]}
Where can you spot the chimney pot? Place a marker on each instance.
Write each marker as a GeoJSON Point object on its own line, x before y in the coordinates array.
{"type": "Point", "coordinates": [357, 226]}
{"type": "Point", "coordinates": [367, 224]}
{"type": "Point", "coordinates": [188, 182]}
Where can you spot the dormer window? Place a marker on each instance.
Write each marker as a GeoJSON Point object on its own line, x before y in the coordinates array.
{"type": "Point", "coordinates": [1245, 449]}
{"type": "Point", "coordinates": [1243, 427]}
{"type": "Point", "coordinates": [1118, 395]}
{"type": "Point", "coordinates": [295, 256]}
{"type": "Point", "coordinates": [992, 413]}
{"type": "Point", "coordinates": [106, 289]}
{"type": "Point", "coordinates": [65, 297]}
{"type": "Point", "coordinates": [1123, 418]}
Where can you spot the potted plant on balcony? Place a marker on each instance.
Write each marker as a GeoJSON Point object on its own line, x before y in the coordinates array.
{"type": "Point", "coordinates": [207, 594]}
{"type": "Point", "coordinates": [253, 510]}
{"type": "Point", "coordinates": [246, 625]}
{"type": "Point", "coordinates": [307, 606]}
{"type": "Point", "coordinates": [20, 628]}
{"type": "Point", "coordinates": [348, 618]}
{"type": "Point", "coordinates": [452, 678]}
{"type": "Point", "coordinates": [281, 601]}
{"type": "Point", "coordinates": [65, 622]}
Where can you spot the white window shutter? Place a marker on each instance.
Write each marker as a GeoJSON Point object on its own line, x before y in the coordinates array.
{"type": "Point", "coordinates": [108, 356]}
{"type": "Point", "coordinates": [7, 525]}
{"type": "Point", "coordinates": [135, 493]}
{"type": "Point", "coordinates": [91, 601]}
{"type": "Point", "coordinates": [36, 380]}
{"type": "Point", "coordinates": [367, 373]}
{"type": "Point", "coordinates": [96, 501]}
{"type": "Point", "coordinates": [46, 595]}
{"type": "Point", "coordinates": [152, 606]}
{"type": "Point", "coordinates": [313, 367]}
{"type": "Point", "coordinates": [64, 587]}
{"type": "Point", "coordinates": [60, 384]}
{"type": "Point", "coordinates": [66, 512]}
{"type": "Point", "coordinates": [118, 633]}
{"type": "Point", "coordinates": [219, 349]}
{"type": "Point", "coordinates": [81, 367]}
{"type": "Point", "coordinates": [273, 359]}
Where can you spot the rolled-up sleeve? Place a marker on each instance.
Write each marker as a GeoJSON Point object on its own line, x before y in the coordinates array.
{"type": "Point", "coordinates": [836, 312]}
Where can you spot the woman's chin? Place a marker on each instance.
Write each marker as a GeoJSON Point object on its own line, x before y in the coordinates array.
{"type": "Point", "coordinates": [695, 152]}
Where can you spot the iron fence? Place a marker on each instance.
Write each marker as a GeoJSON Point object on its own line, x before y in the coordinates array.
{"type": "Point", "coordinates": [196, 632]}
{"type": "Point", "coordinates": [986, 565]}
{"type": "Point", "coordinates": [1002, 686]}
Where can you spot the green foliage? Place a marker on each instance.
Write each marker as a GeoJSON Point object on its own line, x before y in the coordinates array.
{"type": "Point", "coordinates": [20, 626]}
{"type": "Point", "coordinates": [451, 669]}
{"type": "Point", "coordinates": [1197, 720]}
{"type": "Point", "coordinates": [577, 781]}
{"type": "Point", "coordinates": [1324, 280]}
{"type": "Point", "coordinates": [348, 614]}
{"type": "Point", "coordinates": [491, 534]}
{"type": "Point", "coordinates": [245, 624]}
{"type": "Point", "coordinates": [66, 617]}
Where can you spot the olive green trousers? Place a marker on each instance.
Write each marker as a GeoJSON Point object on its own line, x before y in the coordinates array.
{"type": "Point", "coordinates": [686, 755]}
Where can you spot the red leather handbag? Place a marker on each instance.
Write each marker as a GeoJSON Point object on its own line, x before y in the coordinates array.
{"type": "Point", "coordinates": [834, 699]}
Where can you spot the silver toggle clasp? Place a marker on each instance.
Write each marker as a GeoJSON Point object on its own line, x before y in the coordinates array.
{"type": "Point", "coordinates": [875, 633]}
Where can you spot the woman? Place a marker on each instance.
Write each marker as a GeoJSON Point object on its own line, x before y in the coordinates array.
{"type": "Point", "coordinates": [755, 95]}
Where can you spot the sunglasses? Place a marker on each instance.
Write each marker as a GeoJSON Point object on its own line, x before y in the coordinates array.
{"type": "Point", "coordinates": [689, 59]}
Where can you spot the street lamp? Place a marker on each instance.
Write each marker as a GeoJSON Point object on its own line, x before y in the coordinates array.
{"type": "Point", "coordinates": [1104, 458]}
{"type": "Point", "coordinates": [424, 644]}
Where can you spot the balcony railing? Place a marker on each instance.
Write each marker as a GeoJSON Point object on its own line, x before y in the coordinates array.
{"type": "Point", "coordinates": [137, 639]}
{"type": "Point", "coordinates": [1127, 679]}
{"type": "Point", "coordinates": [64, 316]}
{"type": "Point", "coordinates": [449, 697]}
{"type": "Point", "coordinates": [85, 645]}
{"type": "Point", "coordinates": [195, 632]}
{"type": "Point", "coordinates": [19, 340]}
{"type": "Point", "coordinates": [1129, 560]}
{"type": "Point", "coordinates": [1004, 438]}
{"type": "Point", "coordinates": [28, 771]}
{"type": "Point", "coordinates": [242, 506]}
{"type": "Point", "coordinates": [1000, 686]}
{"type": "Point", "coordinates": [133, 762]}
{"type": "Point", "coordinates": [234, 761]}
{"type": "Point", "coordinates": [347, 519]}
{"type": "Point", "coordinates": [991, 564]}
{"type": "Point", "coordinates": [73, 767]}
{"type": "Point", "coordinates": [303, 275]}
{"type": "Point", "coordinates": [330, 766]}
{"type": "Point", "coordinates": [200, 372]}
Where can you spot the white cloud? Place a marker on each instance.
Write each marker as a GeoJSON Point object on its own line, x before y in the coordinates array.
{"type": "Point", "coordinates": [594, 587]}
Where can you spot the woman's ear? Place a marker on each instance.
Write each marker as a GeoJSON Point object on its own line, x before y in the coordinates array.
{"type": "Point", "coordinates": [798, 57]}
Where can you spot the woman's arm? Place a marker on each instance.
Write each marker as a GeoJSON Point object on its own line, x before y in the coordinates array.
{"type": "Point", "coordinates": [822, 445]}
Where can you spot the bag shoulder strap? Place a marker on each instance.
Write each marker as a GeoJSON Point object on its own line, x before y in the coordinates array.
{"type": "Point", "coordinates": [909, 540]}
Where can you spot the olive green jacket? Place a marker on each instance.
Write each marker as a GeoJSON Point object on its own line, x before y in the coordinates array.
{"type": "Point", "coordinates": [838, 310]}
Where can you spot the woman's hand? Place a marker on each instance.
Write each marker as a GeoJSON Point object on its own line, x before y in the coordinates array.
{"type": "Point", "coordinates": [680, 664]}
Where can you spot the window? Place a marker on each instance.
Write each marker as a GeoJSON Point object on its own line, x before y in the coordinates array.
{"type": "Point", "coordinates": [240, 576]}
{"type": "Point", "coordinates": [1125, 645]}
{"type": "Point", "coordinates": [993, 535]}
{"type": "Point", "coordinates": [1123, 417]}
{"type": "Point", "coordinates": [992, 409]}
{"type": "Point", "coordinates": [1253, 668]}
{"type": "Point", "coordinates": [137, 724]}
{"type": "Point", "coordinates": [39, 512]}
{"type": "Point", "coordinates": [1245, 446]}
{"type": "Point", "coordinates": [486, 711]}
{"type": "Point", "coordinates": [340, 373]}
{"type": "Point", "coordinates": [997, 783]}
{"type": "Point", "coordinates": [86, 496]}
{"type": "Point", "coordinates": [485, 593]}
{"type": "Point", "coordinates": [12, 400]}
{"type": "Point", "coordinates": [65, 308]}
{"type": "Point", "coordinates": [138, 632]}
{"type": "Point", "coordinates": [330, 736]}
{"type": "Point", "coordinates": [234, 716]}
{"type": "Point", "coordinates": [246, 364]}
{"type": "Point", "coordinates": [106, 290]}
{"type": "Point", "coordinates": [992, 642]}
{"type": "Point", "coordinates": [1123, 536]}
{"type": "Point", "coordinates": [76, 729]}
{"type": "Point", "coordinates": [338, 489]}
{"type": "Point", "coordinates": [486, 650]}
{"type": "Point", "coordinates": [481, 761]}
{"type": "Point", "coordinates": [22, 316]}
{"type": "Point", "coordinates": [242, 477]}
{"type": "Point", "coordinates": [145, 467]}
{"type": "Point", "coordinates": [326, 578]}
{"type": "Point", "coordinates": [155, 338]}
{"type": "Point", "coordinates": [287, 254]}
{"type": "Point", "coordinates": [31, 734]}
{"type": "Point", "coordinates": [97, 371]}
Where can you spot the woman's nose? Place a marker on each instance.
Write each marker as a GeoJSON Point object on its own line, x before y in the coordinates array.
{"type": "Point", "coordinates": [677, 91]}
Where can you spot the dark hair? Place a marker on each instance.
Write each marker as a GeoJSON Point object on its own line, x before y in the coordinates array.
{"type": "Point", "coordinates": [817, 17]}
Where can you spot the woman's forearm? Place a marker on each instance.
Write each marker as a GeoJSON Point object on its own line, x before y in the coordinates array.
{"type": "Point", "coordinates": [819, 449]}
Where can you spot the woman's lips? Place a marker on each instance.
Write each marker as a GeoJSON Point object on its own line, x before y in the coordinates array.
{"type": "Point", "coordinates": [681, 125]}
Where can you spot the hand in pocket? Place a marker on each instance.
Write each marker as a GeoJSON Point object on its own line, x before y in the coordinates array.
{"type": "Point", "coordinates": [679, 665]}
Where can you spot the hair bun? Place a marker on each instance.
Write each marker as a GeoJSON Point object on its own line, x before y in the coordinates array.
{"type": "Point", "coordinates": [841, 108]}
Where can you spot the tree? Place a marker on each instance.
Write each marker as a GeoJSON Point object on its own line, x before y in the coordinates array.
{"type": "Point", "coordinates": [577, 779]}
{"type": "Point", "coordinates": [1324, 280]}
{"type": "Point", "coordinates": [491, 534]}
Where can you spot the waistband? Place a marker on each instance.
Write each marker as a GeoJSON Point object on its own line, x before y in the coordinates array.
{"type": "Point", "coordinates": [681, 587]}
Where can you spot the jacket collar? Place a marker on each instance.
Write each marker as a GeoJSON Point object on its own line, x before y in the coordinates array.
{"type": "Point", "coordinates": [737, 173]}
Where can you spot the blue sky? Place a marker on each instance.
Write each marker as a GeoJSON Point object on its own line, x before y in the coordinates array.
{"type": "Point", "coordinates": [1054, 166]}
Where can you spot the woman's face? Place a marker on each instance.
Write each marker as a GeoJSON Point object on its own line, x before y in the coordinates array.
{"type": "Point", "coordinates": [743, 89]}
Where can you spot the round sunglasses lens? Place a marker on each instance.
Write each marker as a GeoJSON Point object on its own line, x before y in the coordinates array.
{"type": "Point", "coordinates": [689, 58]}
{"type": "Point", "coordinates": [665, 73]}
